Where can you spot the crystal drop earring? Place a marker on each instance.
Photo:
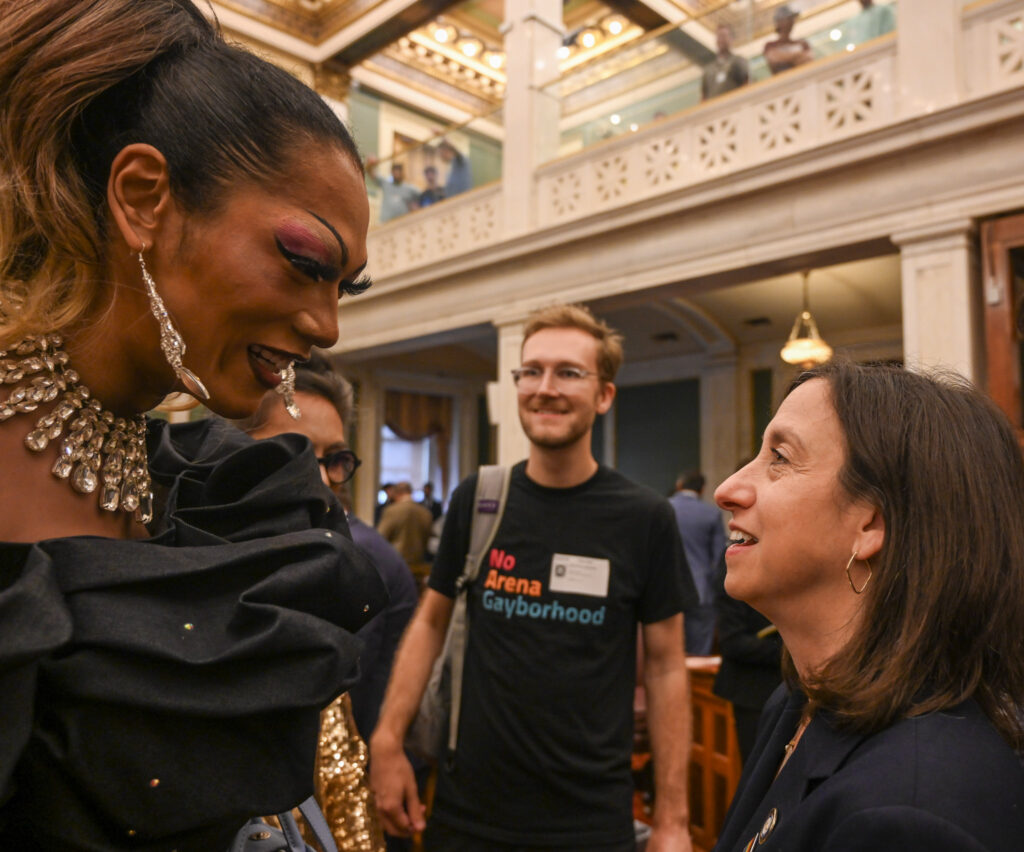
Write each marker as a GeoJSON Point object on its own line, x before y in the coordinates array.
{"type": "Point", "coordinates": [170, 340]}
{"type": "Point", "coordinates": [287, 390]}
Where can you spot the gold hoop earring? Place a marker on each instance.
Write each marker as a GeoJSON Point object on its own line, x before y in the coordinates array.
{"type": "Point", "coordinates": [849, 565]}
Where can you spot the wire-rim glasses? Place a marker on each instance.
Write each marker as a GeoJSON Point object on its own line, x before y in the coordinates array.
{"type": "Point", "coordinates": [563, 379]}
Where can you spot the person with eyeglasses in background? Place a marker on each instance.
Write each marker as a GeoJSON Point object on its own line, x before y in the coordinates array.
{"type": "Point", "coordinates": [580, 557]}
{"type": "Point", "coordinates": [326, 401]}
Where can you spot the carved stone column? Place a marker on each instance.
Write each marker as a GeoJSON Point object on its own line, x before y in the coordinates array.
{"type": "Point", "coordinates": [370, 419]}
{"type": "Point", "coordinates": [941, 298]}
{"type": "Point", "coordinates": [533, 33]}
{"type": "Point", "coordinates": [513, 444]}
{"type": "Point", "coordinates": [719, 429]}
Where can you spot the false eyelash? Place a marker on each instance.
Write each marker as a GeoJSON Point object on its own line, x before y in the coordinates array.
{"type": "Point", "coordinates": [354, 288]}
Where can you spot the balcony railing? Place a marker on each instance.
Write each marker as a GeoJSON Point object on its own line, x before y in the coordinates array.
{"type": "Point", "coordinates": [829, 101]}
{"type": "Point", "coordinates": [806, 108]}
{"type": "Point", "coordinates": [457, 226]}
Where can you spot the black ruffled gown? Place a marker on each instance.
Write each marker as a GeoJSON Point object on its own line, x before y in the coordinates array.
{"type": "Point", "coordinates": [154, 694]}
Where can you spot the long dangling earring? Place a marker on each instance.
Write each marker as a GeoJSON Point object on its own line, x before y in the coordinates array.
{"type": "Point", "coordinates": [287, 390]}
{"type": "Point", "coordinates": [170, 340]}
{"type": "Point", "coordinates": [849, 565]}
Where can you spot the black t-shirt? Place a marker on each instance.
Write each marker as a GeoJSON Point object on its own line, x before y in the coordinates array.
{"type": "Point", "coordinates": [546, 723]}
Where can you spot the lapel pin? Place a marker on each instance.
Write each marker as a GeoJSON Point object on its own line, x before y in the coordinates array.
{"type": "Point", "coordinates": [769, 825]}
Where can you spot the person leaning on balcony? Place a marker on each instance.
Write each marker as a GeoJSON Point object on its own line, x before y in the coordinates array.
{"type": "Point", "coordinates": [785, 52]}
{"type": "Point", "coordinates": [459, 177]}
{"type": "Point", "coordinates": [727, 71]}
{"type": "Point", "coordinates": [870, 22]}
{"type": "Point", "coordinates": [881, 530]}
{"type": "Point", "coordinates": [397, 196]}
{"type": "Point", "coordinates": [434, 192]}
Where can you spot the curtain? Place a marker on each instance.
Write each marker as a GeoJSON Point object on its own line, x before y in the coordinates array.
{"type": "Point", "coordinates": [415, 416]}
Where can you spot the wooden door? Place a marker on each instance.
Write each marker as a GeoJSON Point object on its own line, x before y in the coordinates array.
{"type": "Point", "coordinates": [1002, 242]}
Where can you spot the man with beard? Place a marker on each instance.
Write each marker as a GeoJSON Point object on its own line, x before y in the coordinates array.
{"type": "Point", "coordinates": [581, 557]}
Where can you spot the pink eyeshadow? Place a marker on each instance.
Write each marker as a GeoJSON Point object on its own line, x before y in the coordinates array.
{"type": "Point", "coordinates": [295, 238]}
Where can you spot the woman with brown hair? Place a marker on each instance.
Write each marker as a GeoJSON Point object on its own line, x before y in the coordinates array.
{"type": "Point", "coordinates": [175, 603]}
{"type": "Point", "coordinates": [881, 529]}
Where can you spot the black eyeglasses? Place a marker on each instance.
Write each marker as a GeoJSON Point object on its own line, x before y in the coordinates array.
{"type": "Point", "coordinates": [340, 465]}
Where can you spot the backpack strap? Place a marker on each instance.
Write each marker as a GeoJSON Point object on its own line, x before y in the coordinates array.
{"type": "Point", "coordinates": [317, 823]}
{"type": "Point", "coordinates": [488, 507]}
{"type": "Point", "coordinates": [258, 836]}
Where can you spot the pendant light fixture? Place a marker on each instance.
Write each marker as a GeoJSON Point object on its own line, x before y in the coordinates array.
{"type": "Point", "coordinates": [805, 347]}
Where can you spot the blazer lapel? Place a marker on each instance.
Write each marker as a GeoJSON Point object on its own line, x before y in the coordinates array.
{"type": "Point", "coordinates": [778, 724]}
{"type": "Point", "coordinates": [764, 803]}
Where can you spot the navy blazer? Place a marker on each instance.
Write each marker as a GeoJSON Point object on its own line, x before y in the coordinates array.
{"type": "Point", "coordinates": [945, 782]}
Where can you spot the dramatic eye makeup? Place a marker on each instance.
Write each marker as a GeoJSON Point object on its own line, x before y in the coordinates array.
{"type": "Point", "coordinates": [305, 251]}
{"type": "Point", "coordinates": [355, 287]}
{"type": "Point", "coordinates": [308, 253]}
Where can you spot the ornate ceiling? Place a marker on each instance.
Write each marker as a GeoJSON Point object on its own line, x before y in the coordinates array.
{"type": "Point", "coordinates": [453, 51]}
{"type": "Point", "coordinates": [310, 20]}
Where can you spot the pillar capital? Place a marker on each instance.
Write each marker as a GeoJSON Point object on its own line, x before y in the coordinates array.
{"type": "Point", "coordinates": [953, 232]}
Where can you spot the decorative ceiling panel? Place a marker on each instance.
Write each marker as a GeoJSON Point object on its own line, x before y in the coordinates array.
{"type": "Point", "coordinates": [448, 66]}
{"type": "Point", "coordinates": [457, 56]}
{"type": "Point", "coordinates": [311, 20]}
{"type": "Point", "coordinates": [435, 85]}
{"type": "Point", "coordinates": [464, 46]}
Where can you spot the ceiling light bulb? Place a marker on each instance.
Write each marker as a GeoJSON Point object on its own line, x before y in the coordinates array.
{"type": "Point", "coordinates": [615, 118]}
{"type": "Point", "coordinates": [563, 52]}
{"type": "Point", "coordinates": [441, 35]}
{"type": "Point", "coordinates": [470, 48]}
{"type": "Point", "coordinates": [588, 40]}
{"type": "Point", "coordinates": [615, 27]}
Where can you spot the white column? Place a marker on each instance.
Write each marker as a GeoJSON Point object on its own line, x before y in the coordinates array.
{"type": "Point", "coordinates": [719, 426]}
{"type": "Point", "coordinates": [468, 447]}
{"type": "Point", "coordinates": [513, 445]}
{"type": "Point", "coordinates": [942, 316]}
{"type": "Point", "coordinates": [533, 33]}
{"type": "Point", "coordinates": [929, 55]}
{"type": "Point", "coordinates": [370, 417]}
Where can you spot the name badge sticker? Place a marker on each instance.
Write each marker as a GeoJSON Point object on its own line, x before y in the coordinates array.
{"type": "Point", "coordinates": [579, 575]}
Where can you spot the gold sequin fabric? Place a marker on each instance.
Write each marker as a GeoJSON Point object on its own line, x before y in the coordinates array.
{"type": "Point", "coordinates": [342, 786]}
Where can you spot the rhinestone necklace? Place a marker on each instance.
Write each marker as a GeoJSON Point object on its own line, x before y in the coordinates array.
{"type": "Point", "coordinates": [99, 452]}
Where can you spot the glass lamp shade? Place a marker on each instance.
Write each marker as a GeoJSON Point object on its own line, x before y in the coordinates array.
{"type": "Point", "coordinates": [805, 346]}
